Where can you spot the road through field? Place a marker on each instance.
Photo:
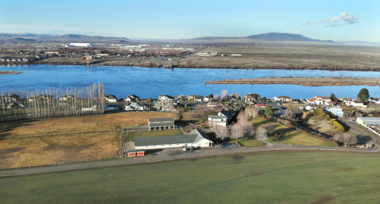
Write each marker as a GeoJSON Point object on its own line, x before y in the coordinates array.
{"type": "Point", "coordinates": [174, 154]}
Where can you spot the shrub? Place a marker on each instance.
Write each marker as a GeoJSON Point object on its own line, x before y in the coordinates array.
{"type": "Point", "coordinates": [327, 117]}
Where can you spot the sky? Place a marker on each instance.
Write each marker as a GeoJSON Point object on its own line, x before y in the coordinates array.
{"type": "Point", "coordinates": [338, 20]}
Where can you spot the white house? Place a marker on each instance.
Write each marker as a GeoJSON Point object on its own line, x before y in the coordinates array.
{"type": "Point", "coordinates": [215, 120]}
{"type": "Point", "coordinates": [166, 99]}
{"type": "Point", "coordinates": [197, 98]}
{"type": "Point", "coordinates": [228, 113]}
{"type": "Point", "coordinates": [195, 138]}
{"type": "Point", "coordinates": [110, 98]}
{"type": "Point", "coordinates": [335, 111]}
{"type": "Point", "coordinates": [221, 119]}
{"type": "Point", "coordinates": [357, 103]}
{"type": "Point", "coordinates": [134, 106]}
{"type": "Point", "coordinates": [131, 98]}
{"type": "Point", "coordinates": [323, 100]}
{"type": "Point", "coordinates": [282, 98]}
{"type": "Point", "coordinates": [308, 107]}
{"type": "Point", "coordinates": [206, 99]}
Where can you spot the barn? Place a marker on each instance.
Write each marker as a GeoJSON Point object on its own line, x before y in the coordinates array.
{"type": "Point", "coordinates": [195, 138]}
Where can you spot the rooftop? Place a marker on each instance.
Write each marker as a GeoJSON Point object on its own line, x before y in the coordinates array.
{"type": "Point", "coordinates": [161, 120]}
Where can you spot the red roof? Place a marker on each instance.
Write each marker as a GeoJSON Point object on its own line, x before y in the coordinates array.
{"type": "Point", "coordinates": [261, 104]}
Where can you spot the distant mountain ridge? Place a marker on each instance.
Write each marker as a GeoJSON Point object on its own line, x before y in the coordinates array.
{"type": "Point", "coordinates": [67, 38]}
{"type": "Point", "coordinates": [265, 37]}
{"type": "Point", "coordinates": [284, 37]}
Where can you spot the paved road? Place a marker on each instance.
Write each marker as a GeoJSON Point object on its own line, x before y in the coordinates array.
{"type": "Point", "coordinates": [173, 154]}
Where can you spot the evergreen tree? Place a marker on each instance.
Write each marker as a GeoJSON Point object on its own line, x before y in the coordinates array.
{"type": "Point", "coordinates": [363, 95]}
{"type": "Point", "coordinates": [333, 97]}
{"type": "Point", "coordinates": [268, 111]}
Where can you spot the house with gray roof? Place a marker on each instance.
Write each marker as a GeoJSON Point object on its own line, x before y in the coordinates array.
{"type": "Point", "coordinates": [228, 113]}
{"type": "Point", "coordinates": [221, 119]}
{"type": "Point", "coordinates": [110, 98]}
{"type": "Point", "coordinates": [161, 123]}
{"type": "Point", "coordinates": [195, 138]}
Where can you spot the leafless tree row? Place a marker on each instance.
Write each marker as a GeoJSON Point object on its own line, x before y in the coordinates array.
{"type": "Point", "coordinates": [26, 104]}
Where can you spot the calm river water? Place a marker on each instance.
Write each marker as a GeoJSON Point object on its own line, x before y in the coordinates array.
{"type": "Point", "coordinates": [151, 82]}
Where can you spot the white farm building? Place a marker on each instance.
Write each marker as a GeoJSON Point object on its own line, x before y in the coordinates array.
{"type": "Point", "coordinates": [195, 138]}
{"type": "Point", "coordinates": [79, 45]}
{"type": "Point", "coordinates": [368, 120]}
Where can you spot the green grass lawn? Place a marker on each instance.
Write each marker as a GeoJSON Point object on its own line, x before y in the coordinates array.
{"type": "Point", "coordinates": [129, 137]}
{"type": "Point", "coordinates": [268, 177]}
{"type": "Point", "coordinates": [249, 143]}
{"type": "Point", "coordinates": [292, 135]}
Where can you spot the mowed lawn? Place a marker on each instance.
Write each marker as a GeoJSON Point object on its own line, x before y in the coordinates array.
{"type": "Point", "coordinates": [292, 136]}
{"type": "Point", "coordinates": [268, 177]}
{"type": "Point", "coordinates": [129, 137]}
{"type": "Point", "coordinates": [35, 151]}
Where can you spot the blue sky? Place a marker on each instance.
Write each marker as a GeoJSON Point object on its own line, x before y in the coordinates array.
{"type": "Point", "coordinates": [320, 19]}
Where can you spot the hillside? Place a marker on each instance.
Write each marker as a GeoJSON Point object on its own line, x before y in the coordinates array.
{"type": "Point", "coordinates": [29, 38]}
{"type": "Point", "coordinates": [284, 37]}
{"type": "Point", "coordinates": [17, 40]}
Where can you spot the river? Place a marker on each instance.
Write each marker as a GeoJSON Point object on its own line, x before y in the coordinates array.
{"type": "Point", "coordinates": [151, 82]}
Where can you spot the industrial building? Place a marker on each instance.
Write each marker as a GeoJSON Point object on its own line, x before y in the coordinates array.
{"type": "Point", "coordinates": [368, 120]}
{"type": "Point", "coordinates": [79, 45]}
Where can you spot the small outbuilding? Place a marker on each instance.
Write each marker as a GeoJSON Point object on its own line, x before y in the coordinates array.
{"type": "Point", "coordinates": [161, 123]}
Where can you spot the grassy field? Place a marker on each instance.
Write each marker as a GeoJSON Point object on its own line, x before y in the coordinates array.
{"type": "Point", "coordinates": [292, 136]}
{"type": "Point", "coordinates": [129, 137]}
{"type": "Point", "coordinates": [79, 124]}
{"type": "Point", "coordinates": [22, 152]}
{"type": "Point", "coordinates": [270, 177]}
{"type": "Point", "coordinates": [249, 143]}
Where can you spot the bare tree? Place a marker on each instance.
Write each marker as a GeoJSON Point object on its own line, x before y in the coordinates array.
{"type": "Point", "coordinates": [349, 138]}
{"type": "Point", "coordinates": [270, 128]}
{"type": "Point", "coordinates": [289, 114]}
{"type": "Point", "coordinates": [346, 138]}
{"type": "Point", "coordinates": [243, 116]}
{"type": "Point", "coordinates": [237, 131]}
{"type": "Point", "coordinates": [338, 137]}
{"type": "Point", "coordinates": [224, 93]}
{"type": "Point", "coordinates": [216, 97]}
{"type": "Point", "coordinates": [252, 112]}
{"type": "Point", "coordinates": [261, 134]}
{"type": "Point", "coordinates": [221, 131]}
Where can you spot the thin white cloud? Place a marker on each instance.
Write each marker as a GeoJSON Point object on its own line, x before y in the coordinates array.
{"type": "Point", "coordinates": [307, 23]}
{"type": "Point", "coordinates": [342, 19]}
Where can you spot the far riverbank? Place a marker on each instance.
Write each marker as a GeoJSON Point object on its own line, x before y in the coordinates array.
{"type": "Point", "coordinates": [168, 65]}
{"type": "Point", "coordinates": [305, 81]}
{"type": "Point", "coordinates": [9, 72]}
